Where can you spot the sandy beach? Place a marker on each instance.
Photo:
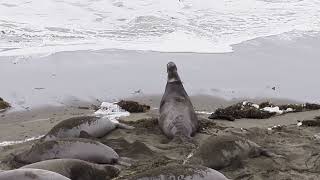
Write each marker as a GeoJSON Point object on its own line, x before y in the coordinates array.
{"type": "Point", "coordinates": [146, 144]}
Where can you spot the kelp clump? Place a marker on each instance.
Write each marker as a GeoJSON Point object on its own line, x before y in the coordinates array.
{"type": "Point", "coordinates": [262, 111]}
{"type": "Point", "coordinates": [4, 105]}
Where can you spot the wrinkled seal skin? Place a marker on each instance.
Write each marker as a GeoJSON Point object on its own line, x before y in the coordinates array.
{"type": "Point", "coordinates": [77, 148]}
{"type": "Point", "coordinates": [31, 174]}
{"type": "Point", "coordinates": [177, 116]}
{"type": "Point", "coordinates": [77, 169]}
{"type": "Point", "coordinates": [91, 126]}
{"type": "Point", "coordinates": [180, 172]}
{"type": "Point", "coordinates": [218, 152]}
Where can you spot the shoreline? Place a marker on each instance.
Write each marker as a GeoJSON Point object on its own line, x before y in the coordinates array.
{"type": "Point", "coordinates": [36, 122]}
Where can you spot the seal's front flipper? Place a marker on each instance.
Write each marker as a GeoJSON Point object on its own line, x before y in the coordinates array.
{"type": "Point", "coordinates": [85, 134]}
{"type": "Point", "coordinates": [124, 126]}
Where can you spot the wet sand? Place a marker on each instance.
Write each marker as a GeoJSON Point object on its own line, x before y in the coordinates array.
{"type": "Point", "coordinates": [290, 66]}
{"type": "Point", "coordinates": [146, 147]}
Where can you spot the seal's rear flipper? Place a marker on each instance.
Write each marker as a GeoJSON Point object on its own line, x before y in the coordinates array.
{"type": "Point", "coordinates": [85, 134]}
{"type": "Point", "coordinates": [124, 126]}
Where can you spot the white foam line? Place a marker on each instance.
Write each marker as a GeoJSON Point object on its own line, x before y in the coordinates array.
{"type": "Point", "coordinates": [204, 112]}
{"type": "Point", "coordinates": [8, 143]}
{"type": "Point", "coordinates": [36, 120]}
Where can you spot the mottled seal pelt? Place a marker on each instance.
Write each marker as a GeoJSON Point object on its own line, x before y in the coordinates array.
{"type": "Point", "coordinates": [73, 148]}
{"type": "Point", "coordinates": [179, 172]}
{"type": "Point", "coordinates": [76, 169]}
{"type": "Point", "coordinates": [31, 174]}
{"type": "Point", "coordinates": [218, 152]}
{"type": "Point", "coordinates": [84, 126]}
{"type": "Point", "coordinates": [178, 119]}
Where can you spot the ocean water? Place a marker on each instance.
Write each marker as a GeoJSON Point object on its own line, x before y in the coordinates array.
{"type": "Point", "coordinates": [202, 26]}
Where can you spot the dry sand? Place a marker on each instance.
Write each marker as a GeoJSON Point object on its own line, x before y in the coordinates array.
{"type": "Point", "coordinates": [147, 147]}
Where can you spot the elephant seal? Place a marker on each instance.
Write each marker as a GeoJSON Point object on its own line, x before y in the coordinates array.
{"type": "Point", "coordinates": [76, 169]}
{"type": "Point", "coordinates": [218, 152]}
{"type": "Point", "coordinates": [180, 172]}
{"type": "Point", "coordinates": [84, 126]}
{"type": "Point", "coordinates": [73, 148]}
{"type": "Point", "coordinates": [31, 174]}
{"type": "Point", "coordinates": [178, 119]}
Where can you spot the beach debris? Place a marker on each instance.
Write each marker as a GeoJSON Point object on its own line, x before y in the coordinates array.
{"type": "Point", "coordinates": [4, 105]}
{"type": "Point", "coordinates": [83, 107]}
{"type": "Point", "coordinates": [139, 91]}
{"type": "Point", "coordinates": [112, 110]}
{"type": "Point", "coordinates": [241, 110]}
{"type": "Point", "coordinates": [276, 127]}
{"type": "Point", "coordinates": [133, 107]}
{"type": "Point", "coordinates": [264, 110]}
{"type": "Point", "coordinates": [39, 88]}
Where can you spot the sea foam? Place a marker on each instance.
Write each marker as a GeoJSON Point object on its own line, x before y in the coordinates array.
{"type": "Point", "coordinates": [206, 26]}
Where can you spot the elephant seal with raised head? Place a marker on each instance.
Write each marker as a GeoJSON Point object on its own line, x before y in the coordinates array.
{"type": "Point", "coordinates": [73, 148]}
{"type": "Point", "coordinates": [76, 169]}
{"type": "Point", "coordinates": [178, 119]}
{"type": "Point", "coordinates": [31, 174]}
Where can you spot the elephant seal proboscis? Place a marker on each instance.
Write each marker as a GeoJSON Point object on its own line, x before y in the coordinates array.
{"type": "Point", "coordinates": [179, 172]}
{"type": "Point", "coordinates": [218, 152]}
{"type": "Point", "coordinates": [31, 174]}
{"type": "Point", "coordinates": [76, 169]}
{"type": "Point", "coordinates": [84, 126]}
{"type": "Point", "coordinates": [73, 148]}
{"type": "Point", "coordinates": [178, 119]}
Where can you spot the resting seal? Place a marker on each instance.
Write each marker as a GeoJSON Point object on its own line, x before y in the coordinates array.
{"type": "Point", "coordinates": [77, 148]}
{"type": "Point", "coordinates": [31, 174]}
{"type": "Point", "coordinates": [180, 172]}
{"type": "Point", "coordinates": [218, 152]}
{"type": "Point", "coordinates": [178, 119]}
{"type": "Point", "coordinates": [77, 169]}
{"type": "Point", "coordinates": [84, 126]}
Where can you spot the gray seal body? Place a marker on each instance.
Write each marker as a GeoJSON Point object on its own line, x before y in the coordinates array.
{"type": "Point", "coordinates": [177, 116]}
{"type": "Point", "coordinates": [76, 169]}
{"type": "Point", "coordinates": [218, 152]}
{"type": "Point", "coordinates": [73, 148]}
{"type": "Point", "coordinates": [89, 125]}
{"type": "Point", "coordinates": [180, 172]}
{"type": "Point", "coordinates": [31, 174]}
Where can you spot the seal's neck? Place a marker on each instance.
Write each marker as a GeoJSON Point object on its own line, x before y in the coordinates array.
{"type": "Point", "coordinates": [173, 77]}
